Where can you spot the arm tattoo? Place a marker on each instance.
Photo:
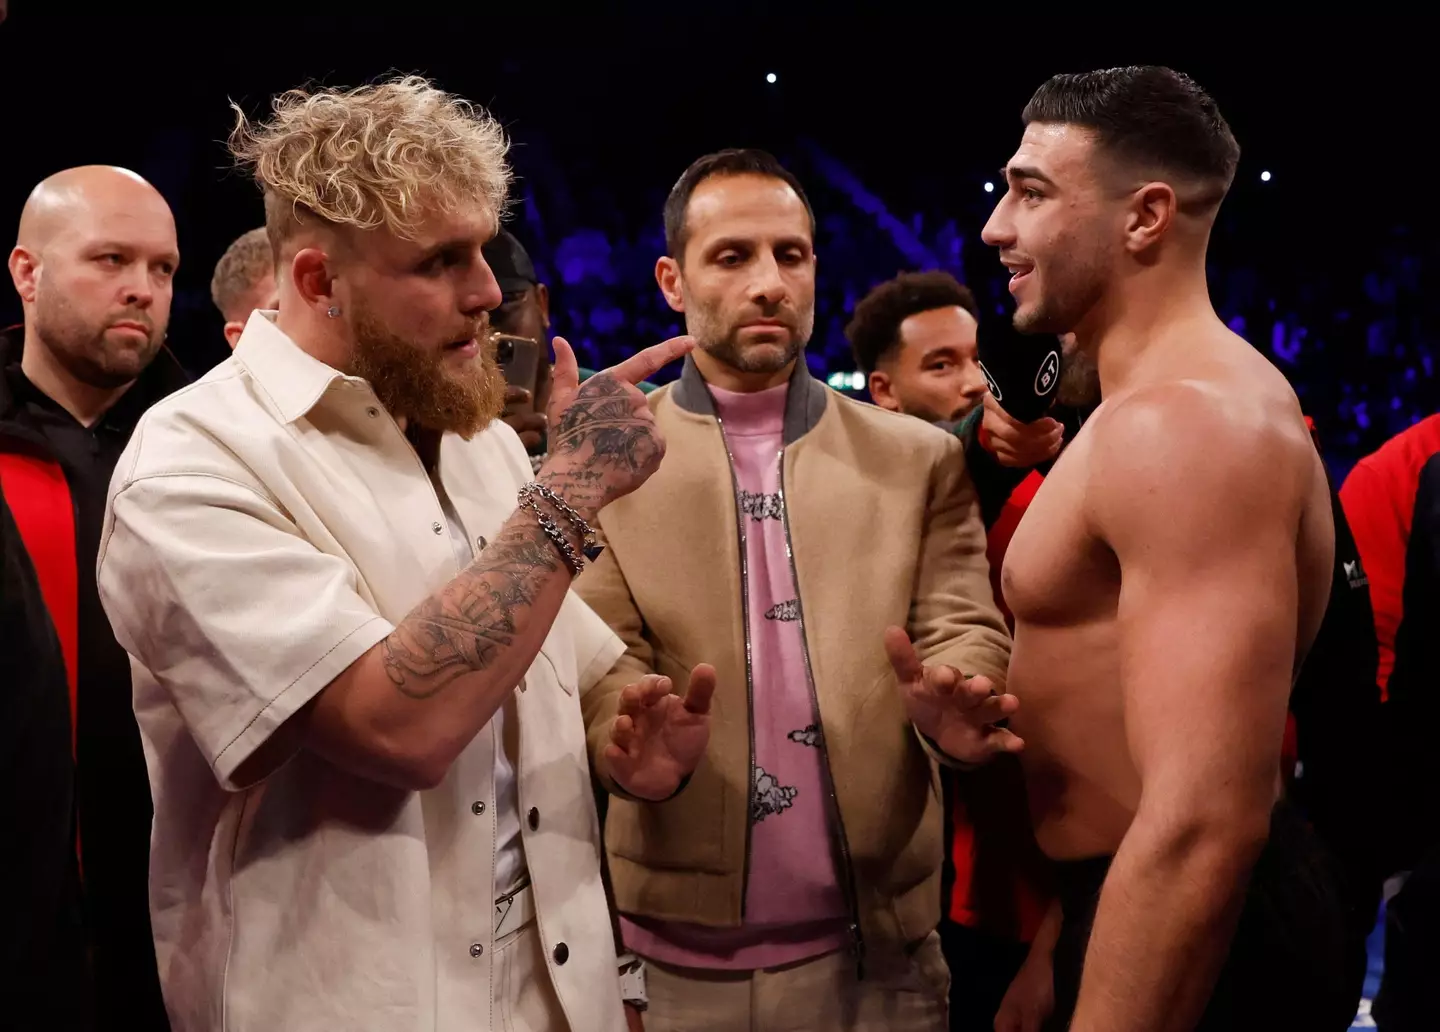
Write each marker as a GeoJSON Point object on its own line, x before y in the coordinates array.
{"type": "Point", "coordinates": [464, 627]}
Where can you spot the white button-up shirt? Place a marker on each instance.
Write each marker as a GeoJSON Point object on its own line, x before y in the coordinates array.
{"type": "Point", "coordinates": [267, 525]}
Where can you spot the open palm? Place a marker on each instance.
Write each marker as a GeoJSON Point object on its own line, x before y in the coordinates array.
{"type": "Point", "coordinates": [657, 738]}
{"type": "Point", "coordinates": [957, 713]}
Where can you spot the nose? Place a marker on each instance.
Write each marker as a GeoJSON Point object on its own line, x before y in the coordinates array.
{"type": "Point", "coordinates": [483, 293]}
{"type": "Point", "coordinates": [999, 229]}
{"type": "Point", "coordinates": [972, 381]}
{"type": "Point", "coordinates": [768, 287]}
{"type": "Point", "coordinates": [137, 288]}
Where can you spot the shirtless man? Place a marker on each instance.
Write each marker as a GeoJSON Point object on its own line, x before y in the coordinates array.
{"type": "Point", "coordinates": [1164, 593]}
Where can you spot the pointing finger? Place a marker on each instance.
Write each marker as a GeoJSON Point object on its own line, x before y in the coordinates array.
{"type": "Point", "coordinates": [902, 656]}
{"type": "Point", "coordinates": [647, 363]}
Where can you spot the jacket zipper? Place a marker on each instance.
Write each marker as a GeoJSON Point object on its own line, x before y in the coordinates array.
{"type": "Point", "coordinates": [847, 869]}
{"type": "Point", "coordinates": [749, 670]}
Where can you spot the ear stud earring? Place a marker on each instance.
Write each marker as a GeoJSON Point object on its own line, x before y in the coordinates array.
{"type": "Point", "coordinates": [334, 312]}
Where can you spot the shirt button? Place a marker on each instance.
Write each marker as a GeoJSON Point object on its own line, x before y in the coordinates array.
{"type": "Point", "coordinates": [436, 528]}
{"type": "Point", "coordinates": [534, 818]}
{"type": "Point", "coordinates": [372, 412]}
{"type": "Point", "coordinates": [477, 808]}
{"type": "Point", "coordinates": [476, 949]}
{"type": "Point", "coordinates": [562, 953]}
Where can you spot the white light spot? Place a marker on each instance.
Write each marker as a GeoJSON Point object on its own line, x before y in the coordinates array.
{"type": "Point", "coordinates": [770, 78]}
{"type": "Point", "coordinates": [989, 187]}
{"type": "Point", "coordinates": [1264, 177]}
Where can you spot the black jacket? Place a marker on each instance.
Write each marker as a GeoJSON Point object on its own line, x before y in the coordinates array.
{"type": "Point", "coordinates": [44, 972]}
{"type": "Point", "coordinates": [111, 785]}
{"type": "Point", "coordinates": [1414, 706]}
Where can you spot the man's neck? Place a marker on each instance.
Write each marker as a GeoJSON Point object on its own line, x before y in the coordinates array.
{"type": "Point", "coordinates": [84, 402]}
{"type": "Point", "coordinates": [728, 378]}
{"type": "Point", "coordinates": [1142, 320]}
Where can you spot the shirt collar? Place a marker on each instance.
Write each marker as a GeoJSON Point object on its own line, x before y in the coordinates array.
{"type": "Point", "coordinates": [295, 380]}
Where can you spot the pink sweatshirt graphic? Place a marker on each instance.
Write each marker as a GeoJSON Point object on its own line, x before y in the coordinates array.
{"type": "Point", "coordinates": [794, 904]}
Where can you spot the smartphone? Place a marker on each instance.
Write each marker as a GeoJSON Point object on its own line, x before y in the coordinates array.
{"type": "Point", "coordinates": [519, 358]}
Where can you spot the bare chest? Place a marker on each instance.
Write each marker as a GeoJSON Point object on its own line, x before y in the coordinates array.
{"type": "Point", "coordinates": [1056, 571]}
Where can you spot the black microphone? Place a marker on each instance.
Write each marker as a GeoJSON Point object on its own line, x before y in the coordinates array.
{"type": "Point", "coordinates": [1022, 370]}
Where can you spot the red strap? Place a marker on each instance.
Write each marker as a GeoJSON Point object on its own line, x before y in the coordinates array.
{"type": "Point", "coordinates": [39, 499]}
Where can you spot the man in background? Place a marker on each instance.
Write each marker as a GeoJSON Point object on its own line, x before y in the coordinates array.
{"type": "Point", "coordinates": [914, 338]}
{"type": "Point", "coordinates": [244, 281]}
{"type": "Point", "coordinates": [524, 313]}
{"type": "Point", "coordinates": [94, 265]}
{"type": "Point", "coordinates": [793, 882]}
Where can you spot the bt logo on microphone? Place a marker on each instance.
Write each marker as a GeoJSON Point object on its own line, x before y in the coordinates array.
{"type": "Point", "coordinates": [990, 382]}
{"type": "Point", "coordinates": [1048, 374]}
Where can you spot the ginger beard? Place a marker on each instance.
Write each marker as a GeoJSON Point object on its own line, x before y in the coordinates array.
{"type": "Point", "coordinates": [424, 384]}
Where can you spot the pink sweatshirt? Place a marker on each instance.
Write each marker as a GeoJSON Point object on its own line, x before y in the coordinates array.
{"type": "Point", "coordinates": [794, 905]}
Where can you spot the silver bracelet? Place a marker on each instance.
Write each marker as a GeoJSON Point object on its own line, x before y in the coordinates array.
{"type": "Point", "coordinates": [587, 534]}
{"type": "Point", "coordinates": [554, 533]}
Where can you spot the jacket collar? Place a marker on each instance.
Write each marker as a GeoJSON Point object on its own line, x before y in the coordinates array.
{"type": "Point", "coordinates": [804, 403]}
{"type": "Point", "coordinates": [294, 380]}
{"type": "Point", "coordinates": [162, 377]}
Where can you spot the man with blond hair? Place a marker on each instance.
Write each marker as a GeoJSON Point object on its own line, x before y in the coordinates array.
{"type": "Point", "coordinates": [357, 659]}
{"type": "Point", "coordinates": [244, 282]}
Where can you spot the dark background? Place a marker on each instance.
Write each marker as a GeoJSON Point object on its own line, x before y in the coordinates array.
{"type": "Point", "coordinates": [894, 116]}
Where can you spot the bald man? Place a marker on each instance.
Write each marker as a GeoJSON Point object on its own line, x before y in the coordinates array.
{"type": "Point", "coordinates": [94, 266]}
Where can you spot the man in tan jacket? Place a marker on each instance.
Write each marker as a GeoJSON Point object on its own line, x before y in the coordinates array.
{"type": "Point", "coordinates": [794, 879]}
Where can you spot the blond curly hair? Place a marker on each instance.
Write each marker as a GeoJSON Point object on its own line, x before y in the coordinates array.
{"type": "Point", "coordinates": [389, 155]}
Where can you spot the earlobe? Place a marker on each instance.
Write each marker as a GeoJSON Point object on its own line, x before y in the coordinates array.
{"type": "Point", "coordinates": [668, 277]}
{"type": "Point", "coordinates": [879, 385]}
{"type": "Point", "coordinates": [1151, 215]}
{"type": "Point", "coordinates": [22, 273]}
{"type": "Point", "coordinates": [310, 273]}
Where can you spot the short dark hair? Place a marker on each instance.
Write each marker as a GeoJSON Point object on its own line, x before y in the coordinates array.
{"type": "Point", "coordinates": [1147, 115]}
{"type": "Point", "coordinates": [874, 330]}
{"type": "Point", "coordinates": [744, 161]}
{"type": "Point", "coordinates": [244, 264]}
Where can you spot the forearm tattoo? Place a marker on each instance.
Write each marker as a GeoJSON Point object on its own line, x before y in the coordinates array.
{"type": "Point", "coordinates": [464, 628]}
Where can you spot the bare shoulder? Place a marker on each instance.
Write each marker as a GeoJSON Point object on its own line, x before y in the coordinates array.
{"type": "Point", "coordinates": [1214, 452]}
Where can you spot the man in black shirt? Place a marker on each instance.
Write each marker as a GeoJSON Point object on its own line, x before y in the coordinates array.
{"type": "Point", "coordinates": [94, 264]}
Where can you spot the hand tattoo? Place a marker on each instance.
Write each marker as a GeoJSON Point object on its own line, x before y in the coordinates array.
{"type": "Point", "coordinates": [603, 417]}
{"type": "Point", "coordinates": [464, 627]}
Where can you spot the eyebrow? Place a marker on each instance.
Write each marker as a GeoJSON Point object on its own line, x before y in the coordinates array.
{"type": "Point", "coordinates": [740, 243]}
{"type": "Point", "coordinates": [1009, 172]}
{"type": "Point", "coordinates": [107, 246]}
{"type": "Point", "coordinates": [939, 352]}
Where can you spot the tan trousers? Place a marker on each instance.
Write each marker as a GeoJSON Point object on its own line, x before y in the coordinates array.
{"type": "Point", "coordinates": [524, 999]}
{"type": "Point", "coordinates": [905, 993]}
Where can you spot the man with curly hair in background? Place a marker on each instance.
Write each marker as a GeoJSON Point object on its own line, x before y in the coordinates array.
{"type": "Point", "coordinates": [357, 658]}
